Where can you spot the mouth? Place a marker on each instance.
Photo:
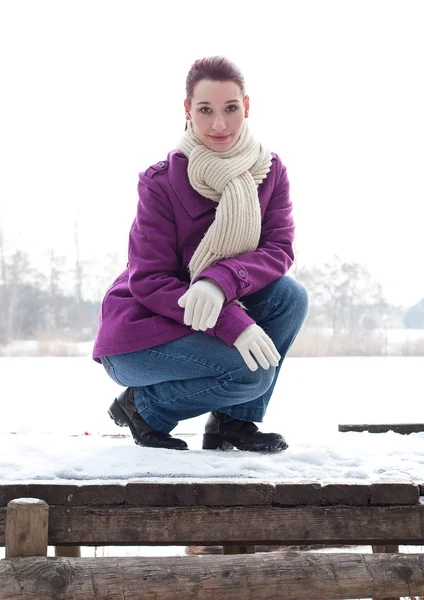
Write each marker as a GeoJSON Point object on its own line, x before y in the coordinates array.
{"type": "Point", "coordinates": [220, 138]}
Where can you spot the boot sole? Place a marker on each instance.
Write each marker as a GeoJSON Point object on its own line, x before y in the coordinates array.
{"type": "Point", "coordinates": [212, 441]}
{"type": "Point", "coordinates": [120, 418]}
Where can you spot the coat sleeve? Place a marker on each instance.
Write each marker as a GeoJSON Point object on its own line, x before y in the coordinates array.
{"type": "Point", "coordinates": [153, 264]}
{"type": "Point", "coordinates": [252, 271]}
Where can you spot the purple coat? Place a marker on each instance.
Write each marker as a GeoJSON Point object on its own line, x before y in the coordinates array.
{"type": "Point", "coordinates": [140, 309]}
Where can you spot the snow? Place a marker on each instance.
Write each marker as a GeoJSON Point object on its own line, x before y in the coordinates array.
{"type": "Point", "coordinates": [54, 423]}
{"type": "Point", "coordinates": [28, 501]}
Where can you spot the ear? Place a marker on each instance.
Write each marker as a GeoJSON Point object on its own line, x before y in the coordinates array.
{"type": "Point", "coordinates": [187, 109]}
{"type": "Point", "coordinates": [246, 103]}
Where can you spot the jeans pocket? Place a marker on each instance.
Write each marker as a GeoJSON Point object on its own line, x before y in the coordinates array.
{"type": "Point", "coordinates": [109, 368]}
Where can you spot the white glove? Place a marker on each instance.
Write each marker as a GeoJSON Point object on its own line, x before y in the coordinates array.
{"type": "Point", "coordinates": [203, 303]}
{"type": "Point", "coordinates": [254, 340]}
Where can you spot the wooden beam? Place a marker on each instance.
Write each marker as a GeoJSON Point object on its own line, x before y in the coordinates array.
{"type": "Point", "coordinates": [26, 530]}
{"type": "Point", "coordinates": [235, 525]}
{"type": "Point", "coordinates": [291, 575]}
{"type": "Point", "coordinates": [403, 428]}
{"type": "Point", "coordinates": [147, 493]}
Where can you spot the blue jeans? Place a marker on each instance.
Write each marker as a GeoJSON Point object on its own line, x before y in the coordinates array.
{"type": "Point", "coordinates": [199, 373]}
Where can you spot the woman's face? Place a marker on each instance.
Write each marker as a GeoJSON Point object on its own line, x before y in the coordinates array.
{"type": "Point", "coordinates": [217, 110]}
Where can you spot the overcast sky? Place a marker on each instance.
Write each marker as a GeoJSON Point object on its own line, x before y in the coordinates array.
{"type": "Point", "coordinates": [92, 93]}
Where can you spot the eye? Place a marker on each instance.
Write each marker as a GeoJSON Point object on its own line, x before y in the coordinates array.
{"type": "Point", "coordinates": [232, 107]}
{"type": "Point", "coordinates": [205, 110]}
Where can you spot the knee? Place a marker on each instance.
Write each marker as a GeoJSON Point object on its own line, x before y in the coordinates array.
{"type": "Point", "coordinates": [256, 383]}
{"type": "Point", "coordinates": [299, 296]}
{"type": "Point", "coordinates": [292, 296]}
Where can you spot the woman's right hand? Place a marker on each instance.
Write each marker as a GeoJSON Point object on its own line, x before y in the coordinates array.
{"type": "Point", "coordinates": [254, 341]}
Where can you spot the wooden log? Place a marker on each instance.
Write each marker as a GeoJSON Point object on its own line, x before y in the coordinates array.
{"type": "Point", "coordinates": [292, 576]}
{"type": "Point", "coordinates": [403, 428]}
{"type": "Point", "coordinates": [26, 531]}
{"type": "Point", "coordinates": [388, 548]}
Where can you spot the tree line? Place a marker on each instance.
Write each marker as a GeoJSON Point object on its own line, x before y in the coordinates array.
{"type": "Point", "coordinates": [65, 298]}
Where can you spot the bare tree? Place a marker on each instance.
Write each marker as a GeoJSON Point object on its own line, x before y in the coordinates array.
{"type": "Point", "coordinates": [79, 271]}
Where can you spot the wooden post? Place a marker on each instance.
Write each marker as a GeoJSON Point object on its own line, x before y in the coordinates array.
{"type": "Point", "coordinates": [68, 551]}
{"type": "Point", "coordinates": [237, 549]}
{"type": "Point", "coordinates": [387, 548]}
{"type": "Point", "coordinates": [27, 522]}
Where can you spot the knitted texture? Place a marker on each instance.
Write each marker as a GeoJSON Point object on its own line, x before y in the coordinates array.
{"type": "Point", "coordinates": [230, 179]}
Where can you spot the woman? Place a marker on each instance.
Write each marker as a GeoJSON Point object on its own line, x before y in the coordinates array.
{"type": "Point", "coordinates": [213, 226]}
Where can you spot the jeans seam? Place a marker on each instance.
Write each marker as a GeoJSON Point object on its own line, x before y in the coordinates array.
{"type": "Point", "coordinates": [262, 303]}
{"type": "Point", "coordinates": [110, 370]}
{"type": "Point", "coordinates": [187, 396]}
{"type": "Point", "coordinates": [185, 359]}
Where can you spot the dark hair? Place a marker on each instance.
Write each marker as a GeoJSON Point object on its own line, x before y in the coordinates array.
{"type": "Point", "coordinates": [214, 68]}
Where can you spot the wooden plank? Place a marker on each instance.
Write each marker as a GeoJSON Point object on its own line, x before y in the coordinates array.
{"type": "Point", "coordinates": [403, 428]}
{"type": "Point", "coordinates": [64, 494]}
{"type": "Point", "coordinates": [26, 530]}
{"type": "Point", "coordinates": [224, 493]}
{"type": "Point", "coordinates": [235, 525]}
{"type": "Point", "coordinates": [394, 493]}
{"type": "Point", "coordinates": [199, 494]}
{"type": "Point", "coordinates": [288, 576]}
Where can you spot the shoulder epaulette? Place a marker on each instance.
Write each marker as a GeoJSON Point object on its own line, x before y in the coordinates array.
{"type": "Point", "coordinates": [159, 167]}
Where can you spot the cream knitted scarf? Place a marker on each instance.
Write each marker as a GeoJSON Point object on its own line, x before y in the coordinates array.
{"type": "Point", "coordinates": [231, 179]}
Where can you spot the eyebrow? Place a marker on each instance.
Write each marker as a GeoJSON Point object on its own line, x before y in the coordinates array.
{"type": "Point", "coordinates": [228, 102]}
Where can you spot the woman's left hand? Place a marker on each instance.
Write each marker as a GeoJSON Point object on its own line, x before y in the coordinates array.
{"type": "Point", "coordinates": [202, 302]}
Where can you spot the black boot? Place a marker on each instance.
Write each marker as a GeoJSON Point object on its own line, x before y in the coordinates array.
{"type": "Point", "coordinates": [124, 413]}
{"type": "Point", "coordinates": [223, 431]}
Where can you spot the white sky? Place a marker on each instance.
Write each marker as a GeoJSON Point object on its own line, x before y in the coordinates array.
{"type": "Point", "coordinates": [92, 93]}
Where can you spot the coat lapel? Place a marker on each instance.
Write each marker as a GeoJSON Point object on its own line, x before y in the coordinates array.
{"type": "Point", "coordinates": [194, 203]}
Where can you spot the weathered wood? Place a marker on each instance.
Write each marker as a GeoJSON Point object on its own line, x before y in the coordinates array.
{"type": "Point", "coordinates": [147, 493]}
{"type": "Point", "coordinates": [26, 530]}
{"type": "Point", "coordinates": [388, 548]}
{"type": "Point", "coordinates": [68, 551]}
{"type": "Point", "coordinates": [234, 549]}
{"type": "Point", "coordinates": [292, 576]}
{"type": "Point", "coordinates": [235, 525]}
{"type": "Point", "coordinates": [393, 494]}
{"type": "Point", "coordinates": [403, 428]}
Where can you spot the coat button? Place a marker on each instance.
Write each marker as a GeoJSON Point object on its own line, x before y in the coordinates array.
{"type": "Point", "coordinates": [161, 164]}
{"type": "Point", "coordinates": [242, 273]}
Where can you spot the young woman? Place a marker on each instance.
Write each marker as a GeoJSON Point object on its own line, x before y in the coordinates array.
{"type": "Point", "coordinates": [213, 226]}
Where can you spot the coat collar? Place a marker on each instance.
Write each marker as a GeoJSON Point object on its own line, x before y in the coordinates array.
{"type": "Point", "coordinates": [194, 203]}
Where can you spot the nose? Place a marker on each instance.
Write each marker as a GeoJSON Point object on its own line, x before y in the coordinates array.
{"type": "Point", "coordinates": [219, 123]}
